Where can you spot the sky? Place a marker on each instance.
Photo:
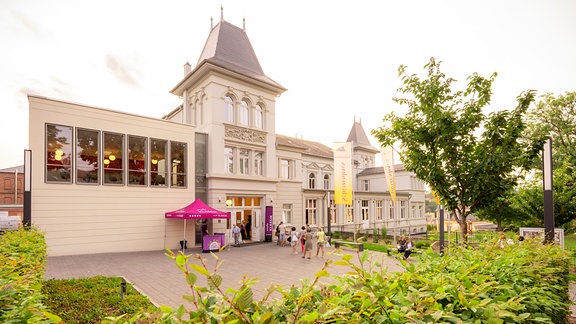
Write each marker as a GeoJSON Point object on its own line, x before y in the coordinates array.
{"type": "Point", "coordinates": [338, 59]}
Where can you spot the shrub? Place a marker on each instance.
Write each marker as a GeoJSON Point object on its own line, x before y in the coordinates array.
{"type": "Point", "coordinates": [22, 263]}
{"type": "Point", "coordinates": [422, 244]}
{"type": "Point", "coordinates": [522, 283]}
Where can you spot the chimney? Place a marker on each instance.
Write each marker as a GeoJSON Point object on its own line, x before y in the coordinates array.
{"type": "Point", "coordinates": [187, 69]}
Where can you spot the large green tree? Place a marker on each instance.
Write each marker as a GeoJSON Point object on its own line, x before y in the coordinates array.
{"type": "Point", "coordinates": [553, 116]}
{"type": "Point", "coordinates": [468, 158]}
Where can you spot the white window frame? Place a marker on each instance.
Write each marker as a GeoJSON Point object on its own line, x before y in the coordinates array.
{"type": "Point", "coordinates": [229, 159]}
{"type": "Point", "coordinates": [244, 161]}
{"type": "Point", "coordinates": [259, 116]}
{"type": "Point", "coordinates": [259, 163]}
{"type": "Point", "coordinates": [229, 109]}
{"type": "Point", "coordinates": [364, 210]}
{"type": "Point", "coordinates": [244, 115]}
{"type": "Point", "coordinates": [311, 180]}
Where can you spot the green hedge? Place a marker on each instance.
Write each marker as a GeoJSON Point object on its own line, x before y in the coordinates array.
{"type": "Point", "coordinates": [22, 264]}
{"type": "Point", "coordinates": [521, 283]}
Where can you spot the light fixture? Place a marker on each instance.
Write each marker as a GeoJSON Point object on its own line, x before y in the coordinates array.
{"type": "Point", "coordinates": [154, 161]}
{"type": "Point", "coordinates": [106, 161]}
{"type": "Point", "coordinates": [58, 157]}
{"type": "Point", "coordinates": [112, 157]}
{"type": "Point", "coordinates": [228, 202]}
{"type": "Point", "coordinates": [59, 152]}
{"type": "Point", "coordinates": [219, 199]}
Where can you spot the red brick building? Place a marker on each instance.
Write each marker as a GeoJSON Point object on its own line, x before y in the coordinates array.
{"type": "Point", "coordinates": [12, 191]}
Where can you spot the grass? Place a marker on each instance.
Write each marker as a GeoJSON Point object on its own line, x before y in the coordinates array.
{"type": "Point", "coordinates": [90, 300]}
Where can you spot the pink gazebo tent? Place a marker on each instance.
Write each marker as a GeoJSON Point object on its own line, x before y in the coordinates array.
{"type": "Point", "coordinates": [196, 210]}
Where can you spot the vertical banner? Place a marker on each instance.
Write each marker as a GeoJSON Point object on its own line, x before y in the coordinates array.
{"type": "Point", "coordinates": [388, 163]}
{"type": "Point", "coordinates": [268, 226]}
{"type": "Point", "coordinates": [343, 173]}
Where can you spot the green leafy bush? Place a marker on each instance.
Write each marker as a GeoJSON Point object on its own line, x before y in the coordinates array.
{"type": "Point", "coordinates": [522, 283]}
{"type": "Point", "coordinates": [91, 300]}
{"type": "Point", "coordinates": [422, 244]}
{"type": "Point", "coordinates": [22, 263]}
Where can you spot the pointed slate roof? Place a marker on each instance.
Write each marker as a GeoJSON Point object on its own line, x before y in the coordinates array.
{"type": "Point", "coordinates": [359, 139]}
{"type": "Point", "coordinates": [228, 46]}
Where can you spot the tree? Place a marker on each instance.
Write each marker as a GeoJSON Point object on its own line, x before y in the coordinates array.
{"type": "Point", "coordinates": [439, 141]}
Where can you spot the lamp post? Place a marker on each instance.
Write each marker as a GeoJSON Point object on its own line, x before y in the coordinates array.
{"type": "Point", "coordinates": [441, 229]}
{"type": "Point", "coordinates": [548, 192]}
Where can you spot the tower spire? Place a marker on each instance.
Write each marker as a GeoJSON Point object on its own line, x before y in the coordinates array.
{"type": "Point", "coordinates": [244, 24]}
{"type": "Point", "coordinates": [211, 23]}
{"type": "Point", "coordinates": [221, 12]}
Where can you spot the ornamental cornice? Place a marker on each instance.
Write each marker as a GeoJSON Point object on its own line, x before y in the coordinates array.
{"type": "Point", "coordinates": [244, 134]}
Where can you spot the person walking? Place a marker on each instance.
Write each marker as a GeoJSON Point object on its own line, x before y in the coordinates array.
{"type": "Point", "coordinates": [302, 236]}
{"type": "Point", "coordinates": [308, 245]}
{"type": "Point", "coordinates": [282, 234]}
{"type": "Point", "coordinates": [294, 239]}
{"type": "Point", "coordinates": [321, 241]}
{"type": "Point", "coordinates": [236, 232]}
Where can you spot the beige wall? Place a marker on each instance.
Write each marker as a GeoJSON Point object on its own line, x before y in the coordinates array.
{"type": "Point", "coordinates": [84, 219]}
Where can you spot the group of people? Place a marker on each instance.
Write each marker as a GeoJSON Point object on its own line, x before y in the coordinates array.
{"type": "Point", "coordinates": [405, 245]}
{"type": "Point", "coordinates": [305, 238]}
{"type": "Point", "coordinates": [242, 230]}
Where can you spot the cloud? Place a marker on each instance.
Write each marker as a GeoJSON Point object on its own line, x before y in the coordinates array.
{"type": "Point", "coordinates": [122, 71]}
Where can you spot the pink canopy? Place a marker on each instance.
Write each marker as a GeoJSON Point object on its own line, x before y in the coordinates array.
{"type": "Point", "coordinates": [197, 210]}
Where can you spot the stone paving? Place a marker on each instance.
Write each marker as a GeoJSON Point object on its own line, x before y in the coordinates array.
{"type": "Point", "coordinates": [156, 275]}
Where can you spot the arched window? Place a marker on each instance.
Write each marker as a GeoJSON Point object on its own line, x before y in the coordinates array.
{"type": "Point", "coordinates": [326, 182]}
{"type": "Point", "coordinates": [311, 181]}
{"type": "Point", "coordinates": [259, 116]}
{"type": "Point", "coordinates": [228, 109]}
{"type": "Point", "coordinates": [244, 108]}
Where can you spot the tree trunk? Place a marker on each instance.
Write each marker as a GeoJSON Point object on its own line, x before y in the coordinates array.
{"type": "Point", "coordinates": [463, 225]}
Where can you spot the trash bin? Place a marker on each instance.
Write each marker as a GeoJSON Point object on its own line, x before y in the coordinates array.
{"type": "Point", "coordinates": [183, 245]}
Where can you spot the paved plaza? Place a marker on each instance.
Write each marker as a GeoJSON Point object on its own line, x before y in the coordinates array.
{"type": "Point", "coordinates": [156, 275]}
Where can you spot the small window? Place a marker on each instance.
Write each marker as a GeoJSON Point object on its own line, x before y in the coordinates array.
{"type": "Point", "coordinates": [87, 148]}
{"type": "Point", "coordinates": [259, 116]}
{"type": "Point", "coordinates": [244, 161]}
{"type": "Point", "coordinates": [287, 213]}
{"type": "Point", "coordinates": [178, 162]}
{"type": "Point", "coordinates": [366, 185]}
{"type": "Point", "coordinates": [364, 210]}
{"type": "Point", "coordinates": [285, 169]}
{"type": "Point", "coordinates": [228, 109]}
{"type": "Point", "coordinates": [113, 158]}
{"type": "Point", "coordinates": [326, 182]}
{"type": "Point", "coordinates": [311, 181]}
{"type": "Point", "coordinates": [58, 153]}
{"type": "Point", "coordinates": [229, 159]}
{"type": "Point", "coordinates": [258, 163]}
{"type": "Point", "coordinates": [158, 163]}
{"type": "Point", "coordinates": [137, 149]}
{"type": "Point", "coordinates": [244, 112]}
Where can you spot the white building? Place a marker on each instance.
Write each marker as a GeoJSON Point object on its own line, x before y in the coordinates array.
{"type": "Point", "coordinates": [102, 180]}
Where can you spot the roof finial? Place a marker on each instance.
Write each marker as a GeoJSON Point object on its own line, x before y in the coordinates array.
{"type": "Point", "coordinates": [244, 24]}
{"type": "Point", "coordinates": [221, 12]}
{"type": "Point", "coordinates": [211, 23]}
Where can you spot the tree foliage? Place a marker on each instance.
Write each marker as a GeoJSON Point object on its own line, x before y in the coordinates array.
{"type": "Point", "coordinates": [553, 116]}
{"type": "Point", "coordinates": [469, 159]}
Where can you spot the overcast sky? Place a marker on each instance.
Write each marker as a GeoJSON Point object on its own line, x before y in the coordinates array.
{"type": "Point", "coordinates": [338, 59]}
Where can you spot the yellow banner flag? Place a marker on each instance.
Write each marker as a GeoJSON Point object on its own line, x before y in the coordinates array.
{"type": "Point", "coordinates": [388, 163]}
{"type": "Point", "coordinates": [343, 173]}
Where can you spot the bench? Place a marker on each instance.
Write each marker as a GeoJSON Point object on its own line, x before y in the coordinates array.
{"type": "Point", "coordinates": [359, 246]}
